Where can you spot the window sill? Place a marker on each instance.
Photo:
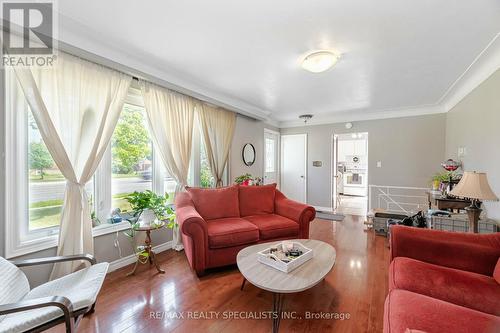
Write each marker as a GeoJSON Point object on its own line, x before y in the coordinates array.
{"type": "Point", "coordinates": [109, 228]}
{"type": "Point", "coordinates": [48, 242]}
{"type": "Point", "coordinates": [30, 246]}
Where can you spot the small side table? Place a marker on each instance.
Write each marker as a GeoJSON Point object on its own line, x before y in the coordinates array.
{"type": "Point", "coordinates": [148, 247]}
{"type": "Point", "coordinates": [444, 203]}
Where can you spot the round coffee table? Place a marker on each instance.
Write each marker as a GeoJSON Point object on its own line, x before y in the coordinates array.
{"type": "Point", "coordinates": [302, 278]}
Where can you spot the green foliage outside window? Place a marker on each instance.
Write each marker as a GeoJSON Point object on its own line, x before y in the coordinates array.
{"type": "Point", "coordinates": [130, 143]}
{"type": "Point", "coordinates": [39, 157]}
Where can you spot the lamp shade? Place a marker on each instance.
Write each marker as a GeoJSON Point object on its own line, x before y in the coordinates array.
{"type": "Point", "coordinates": [474, 185]}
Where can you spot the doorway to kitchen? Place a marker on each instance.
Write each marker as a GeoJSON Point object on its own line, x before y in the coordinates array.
{"type": "Point", "coordinates": [350, 173]}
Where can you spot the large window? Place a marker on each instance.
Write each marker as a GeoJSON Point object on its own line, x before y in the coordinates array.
{"type": "Point", "coordinates": [35, 186]}
{"type": "Point", "coordinates": [131, 156]}
{"type": "Point", "coordinates": [46, 182]}
{"type": "Point", "coordinates": [206, 178]}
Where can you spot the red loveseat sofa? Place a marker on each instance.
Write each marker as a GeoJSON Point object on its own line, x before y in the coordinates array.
{"type": "Point", "coordinates": [217, 223]}
{"type": "Point", "coordinates": [443, 282]}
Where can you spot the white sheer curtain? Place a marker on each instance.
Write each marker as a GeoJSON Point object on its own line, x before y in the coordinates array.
{"type": "Point", "coordinates": [76, 105]}
{"type": "Point", "coordinates": [171, 118]}
{"type": "Point", "coordinates": [217, 126]}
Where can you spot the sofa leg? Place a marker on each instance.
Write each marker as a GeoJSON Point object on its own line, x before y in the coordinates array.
{"type": "Point", "coordinates": [200, 273]}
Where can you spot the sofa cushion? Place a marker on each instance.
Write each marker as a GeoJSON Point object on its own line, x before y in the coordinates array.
{"type": "Point", "coordinates": [256, 200]}
{"type": "Point", "coordinates": [472, 290]}
{"type": "Point", "coordinates": [407, 310]}
{"type": "Point", "coordinates": [231, 232]}
{"type": "Point", "coordinates": [215, 203]}
{"type": "Point", "coordinates": [274, 226]}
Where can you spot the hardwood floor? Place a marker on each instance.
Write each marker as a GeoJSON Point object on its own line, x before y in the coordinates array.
{"type": "Point", "coordinates": [357, 285]}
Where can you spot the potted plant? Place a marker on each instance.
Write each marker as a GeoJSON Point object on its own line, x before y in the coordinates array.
{"type": "Point", "coordinates": [244, 180]}
{"type": "Point", "coordinates": [149, 207]}
{"type": "Point", "coordinates": [442, 179]}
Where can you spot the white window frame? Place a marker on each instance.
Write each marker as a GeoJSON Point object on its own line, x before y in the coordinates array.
{"type": "Point", "coordinates": [17, 183]}
{"type": "Point", "coordinates": [103, 177]}
{"type": "Point", "coordinates": [195, 165]}
{"type": "Point", "coordinates": [277, 160]}
{"type": "Point", "coordinates": [18, 240]}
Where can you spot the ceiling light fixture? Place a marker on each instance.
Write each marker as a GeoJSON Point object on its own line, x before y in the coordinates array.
{"type": "Point", "coordinates": [319, 61]}
{"type": "Point", "coordinates": [305, 117]}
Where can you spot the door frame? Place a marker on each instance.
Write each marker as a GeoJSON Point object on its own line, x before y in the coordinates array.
{"type": "Point", "coordinates": [334, 155]}
{"type": "Point", "coordinates": [278, 155]}
{"type": "Point", "coordinates": [305, 160]}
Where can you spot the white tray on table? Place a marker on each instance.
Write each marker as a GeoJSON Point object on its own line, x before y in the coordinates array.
{"type": "Point", "coordinates": [272, 260]}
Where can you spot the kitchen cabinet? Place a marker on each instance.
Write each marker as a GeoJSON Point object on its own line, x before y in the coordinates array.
{"type": "Point", "coordinates": [351, 147]}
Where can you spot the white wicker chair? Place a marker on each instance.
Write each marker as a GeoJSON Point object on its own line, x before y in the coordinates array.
{"type": "Point", "coordinates": [64, 300]}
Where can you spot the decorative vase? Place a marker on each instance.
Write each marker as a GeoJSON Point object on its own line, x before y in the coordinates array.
{"type": "Point", "coordinates": [435, 185]}
{"type": "Point", "coordinates": [147, 217]}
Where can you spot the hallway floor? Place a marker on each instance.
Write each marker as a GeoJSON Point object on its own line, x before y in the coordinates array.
{"type": "Point", "coordinates": [352, 205]}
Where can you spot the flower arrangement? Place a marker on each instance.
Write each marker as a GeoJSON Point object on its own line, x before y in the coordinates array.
{"type": "Point", "coordinates": [443, 178]}
{"type": "Point", "coordinates": [248, 180]}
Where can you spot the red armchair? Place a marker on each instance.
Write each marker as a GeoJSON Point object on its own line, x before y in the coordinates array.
{"type": "Point", "coordinates": [443, 281]}
{"type": "Point", "coordinates": [217, 223]}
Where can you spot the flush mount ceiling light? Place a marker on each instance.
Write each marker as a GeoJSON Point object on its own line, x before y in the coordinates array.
{"type": "Point", "coordinates": [319, 61]}
{"type": "Point", "coordinates": [305, 117]}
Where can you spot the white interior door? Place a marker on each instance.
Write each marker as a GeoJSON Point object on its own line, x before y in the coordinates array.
{"type": "Point", "coordinates": [294, 166]}
{"type": "Point", "coordinates": [335, 175]}
{"type": "Point", "coordinates": [271, 153]}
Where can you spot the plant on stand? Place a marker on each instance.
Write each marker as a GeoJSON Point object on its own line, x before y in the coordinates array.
{"type": "Point", "coordinates": [149, 209]}
{"type": "Point", "coordinates": [442, 179]}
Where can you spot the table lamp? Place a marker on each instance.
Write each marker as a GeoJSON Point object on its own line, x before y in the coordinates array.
{"type": "Point", "coordinates": [474, 186]}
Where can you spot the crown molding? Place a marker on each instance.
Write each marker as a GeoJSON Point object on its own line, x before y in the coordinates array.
{"type": "Point", "coordinates": [484, 65]}
{"type": "Point", "coordinates": [75, 37]}
{"type": "Point", "coordinates": [73, 33]}
{"type": "Point", "coordinates": [364, 115]}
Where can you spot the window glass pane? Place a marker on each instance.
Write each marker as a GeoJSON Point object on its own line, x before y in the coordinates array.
{"type": "Point", "coordinates": [206, 178]}
{"type": "Point", "coordinates": [270, 155]}
{"type": "Point", "coordinates": [169, 187]}
{"type": "Point", "coordinates": [46, 182]}
{"type": "Point", "coordinates": [131, 151]}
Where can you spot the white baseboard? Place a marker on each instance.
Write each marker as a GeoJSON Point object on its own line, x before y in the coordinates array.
{"type": "Point", "coordinates": [122, 262]}
{"type": "Point", "coordinates": [323, 209]}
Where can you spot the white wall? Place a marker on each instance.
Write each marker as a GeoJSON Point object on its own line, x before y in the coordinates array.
{"type": "Point", "coordinates": [247, 131]}
{"type": "Point", "coordinates": [474, 123]}
{"type": "Point", "coordinates": [410, 149]}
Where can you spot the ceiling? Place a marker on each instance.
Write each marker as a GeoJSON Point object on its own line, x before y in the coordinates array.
{"type": "Point", "coordinates": [397, 55]}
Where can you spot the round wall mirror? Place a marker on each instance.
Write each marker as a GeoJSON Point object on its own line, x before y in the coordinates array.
{"type": "Point", "coordinates": [248, 154]}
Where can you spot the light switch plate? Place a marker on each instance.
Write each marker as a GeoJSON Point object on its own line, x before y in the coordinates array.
{"type": "Point", "coordinates": [379, 164]}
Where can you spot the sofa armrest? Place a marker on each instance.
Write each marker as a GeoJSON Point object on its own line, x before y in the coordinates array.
{"type": "Point", "coordinates": [464, 251]}
{"type": "Point", "coordinates": [301, 213]}
{"type": "Point", "coordinates": [194, 229]}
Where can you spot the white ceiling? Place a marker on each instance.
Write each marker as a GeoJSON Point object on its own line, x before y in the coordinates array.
{"type": "Point", "coordinates": [396, 54]}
